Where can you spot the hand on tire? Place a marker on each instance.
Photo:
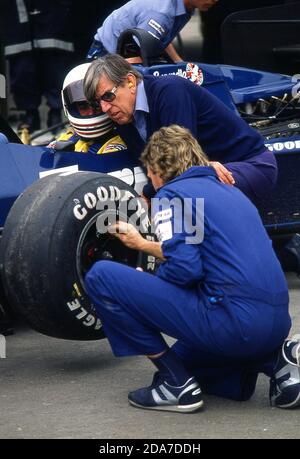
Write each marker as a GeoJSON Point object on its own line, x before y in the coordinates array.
{"type": "Point", "coordinates": [127, 234]}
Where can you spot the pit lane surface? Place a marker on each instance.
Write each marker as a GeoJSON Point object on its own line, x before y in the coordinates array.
{"type": "Point", "coordinates": [53, 388]}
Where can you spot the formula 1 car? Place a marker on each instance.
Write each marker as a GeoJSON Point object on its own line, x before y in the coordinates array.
{"type": "Point", "coordinates": [50, 201]}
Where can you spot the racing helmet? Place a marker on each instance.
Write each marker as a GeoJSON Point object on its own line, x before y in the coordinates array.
{"type": "Point", "coordinates": [86, 121]}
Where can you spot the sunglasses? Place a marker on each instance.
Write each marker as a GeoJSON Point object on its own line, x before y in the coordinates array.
{"type": "Point", "coordinates": [108, 96]}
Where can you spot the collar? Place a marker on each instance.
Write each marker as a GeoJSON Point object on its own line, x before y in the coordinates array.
{"type": "Point", "coordinates": [180, 9]}
{"type": "Point", "coordinates": [194, 171]}
{"type": "Point", "coordinates": [141, 103]}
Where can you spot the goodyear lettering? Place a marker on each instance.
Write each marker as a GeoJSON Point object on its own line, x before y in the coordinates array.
{"type": "Point", "coordinates": [87, 319]}
{"type": "Point", "coordinates": [79, 212]}
{"type": "Point", "coordinates": [293, 125]}
{"type": "Point", "coordinates": [135, 178]}
{"type": "Point", "coordinates": [102, 194]}
{"type": "Point", "coordinates": [83, 312]}
{"type": "Point", "coordinates": [90, 200]}
{"type": "Point", "coordinates": [279, 146]}
{"type": "Point", "coordinates": [73, 305]}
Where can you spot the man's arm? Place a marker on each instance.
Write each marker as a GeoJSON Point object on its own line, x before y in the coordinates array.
{"type": "Point", "coordinates": [172, 53]}
{"type": "Point", "coordinates": [130, 237]}
{"type": "Point", "coordinates": [224, 175]}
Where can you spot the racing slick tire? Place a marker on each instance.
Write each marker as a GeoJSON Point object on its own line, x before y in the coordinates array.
{"type": "Point", "coordinates": [52, 236]}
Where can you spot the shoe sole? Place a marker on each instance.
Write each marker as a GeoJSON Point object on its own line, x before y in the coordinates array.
{"type": "Point", "coordinates": [174, 408]}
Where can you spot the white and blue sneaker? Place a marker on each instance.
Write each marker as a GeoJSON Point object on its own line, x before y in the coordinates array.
{"type": "Point", "coordinates": [285, 384]}
{"type": "Point", "coordinates": [162, 396]}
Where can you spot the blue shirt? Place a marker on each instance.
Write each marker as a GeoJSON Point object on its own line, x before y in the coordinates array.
{"type": "Point", "coordinates": [140, 111]}
{"type": "Point", "coordinates": [161, 18]}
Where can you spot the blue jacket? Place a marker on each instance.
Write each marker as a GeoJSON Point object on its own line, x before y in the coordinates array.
{"type": "Point", "coordinates": [223, 135]}
{"type": "Point", "coordinates": [235, 255]}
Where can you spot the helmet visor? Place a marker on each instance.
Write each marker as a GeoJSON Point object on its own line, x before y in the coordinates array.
{"type": "Point", "coordinates": [74, 93]}
{"type": "Point", "coordinates": [76, 102]}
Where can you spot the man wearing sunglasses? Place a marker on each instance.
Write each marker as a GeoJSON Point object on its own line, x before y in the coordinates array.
{"type": "Point", "coordinates": [141, 105]}
{"type": "Point", "coordinates": [163, 20]}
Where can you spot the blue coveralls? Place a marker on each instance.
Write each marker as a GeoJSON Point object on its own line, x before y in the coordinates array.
{"type": "Point", "coordinates": [225, 299]}
{"type": "Point", "coordinates": [163, 20]}
{"type": "Point", "coordinates": [37, 39]}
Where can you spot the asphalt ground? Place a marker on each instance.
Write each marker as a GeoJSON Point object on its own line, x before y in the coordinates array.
{"type": "Point", "coordinates": [53, 388]}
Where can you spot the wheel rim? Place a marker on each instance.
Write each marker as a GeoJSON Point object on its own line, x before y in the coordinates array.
{"type": "Point", "coordinates": [93, 246]}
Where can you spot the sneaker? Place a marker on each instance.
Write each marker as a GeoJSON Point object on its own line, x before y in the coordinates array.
{"type": "Point", "coordinates": [285, 384]}
{"type": "Point", "coordinates": [162, 396]}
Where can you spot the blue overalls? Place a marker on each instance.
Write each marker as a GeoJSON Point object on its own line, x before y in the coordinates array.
{"type": "Point", "coordinates": [37, 39]}
{"type": "Point", "coordinates": [224, 298]}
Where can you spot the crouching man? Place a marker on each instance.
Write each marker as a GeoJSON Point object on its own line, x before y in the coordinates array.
{"type": "Point", "coordinates": [219, 289]}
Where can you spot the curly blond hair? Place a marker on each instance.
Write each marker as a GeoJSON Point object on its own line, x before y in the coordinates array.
{"type": "Point", "coordinates": [171, 151]}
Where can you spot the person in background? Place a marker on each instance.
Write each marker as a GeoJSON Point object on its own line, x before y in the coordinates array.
{"type": "Point", "coordinates": [37, 39]}
{"type": "Point", "coordinates": [219, 289]}
{"type": "Point", "coordinates": [86, 20]}
{"type": "Point", "coordinates": [91, 130]}
{"type": "Point", "coordinates": [163, 20]}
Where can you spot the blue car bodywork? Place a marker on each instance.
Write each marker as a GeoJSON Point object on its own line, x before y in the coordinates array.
{"type": "Point", "coordinates": [239, 88]}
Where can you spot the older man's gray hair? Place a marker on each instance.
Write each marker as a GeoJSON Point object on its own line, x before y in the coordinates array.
{"type": "Point", "coordinates": [114, 67]}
